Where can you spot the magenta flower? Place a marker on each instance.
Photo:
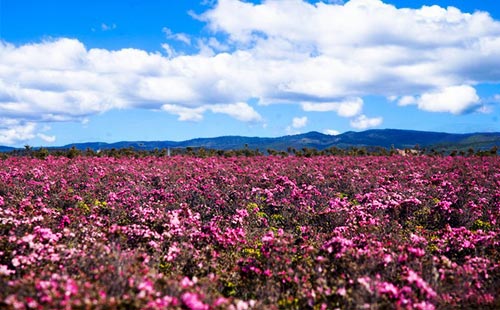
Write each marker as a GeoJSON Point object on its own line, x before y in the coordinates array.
{"type": "Point", "coordinates": [388, 289]}
{"type": "Point", "coordinates": [193, 302]}
{"type": "Point", "coordinates": [413, 277]}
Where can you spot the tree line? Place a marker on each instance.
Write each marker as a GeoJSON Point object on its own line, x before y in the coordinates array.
{"type": "Point", "coordinates": [73, 152]}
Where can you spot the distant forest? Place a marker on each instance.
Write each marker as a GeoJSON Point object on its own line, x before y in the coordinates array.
{"type": "Point", "coordinates": [202, 152]}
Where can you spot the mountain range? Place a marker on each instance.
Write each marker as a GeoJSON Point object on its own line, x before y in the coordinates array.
{"type": "Point", "coordinates": [386, 138]}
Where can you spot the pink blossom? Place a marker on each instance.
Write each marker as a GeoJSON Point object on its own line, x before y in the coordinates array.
{"type": "Point", "coordinates": [193, 302]}
{"type": "Point", "coordinates": [71, 287]}
{"type": "Point", "coordinates": [268, 237]}
{"type": "Point", "coordinates": [267, 273]}
{"type": "Point", "coordinates": [16, 262]}
{"type": "Point", "coordinates": [424, 306]}
{"type": "Point", "coordinates": [32, 303]}
{"type": "Point", "coordinates": [220, 301]}
{"type": "Point", "coordinates": [172, 253]}
{"type": "Point", "coordinates": [416, 251]}
{"type": "Point", "coordinates": [341, 291]}
{"type": "Point", "coordinates": [186, 282]}
{"type": "Point", "coordinates": [387, 258]}
{"type": "Point", "coordinates": [413, 277]}
{"type": "Point", "coordinates": [241, 305]}
{"type": "Point", "coordinates": [5, 271]}
{"type": "Point", "coordinates": [366, 283]}
{"type": "Point", "coordinates": [388, 288]}
{"type": "Point", "coordinates": [377, 229]}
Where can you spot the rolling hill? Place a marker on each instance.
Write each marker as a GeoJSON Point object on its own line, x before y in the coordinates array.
{"type": "Point", "coordinates": [386, 138]}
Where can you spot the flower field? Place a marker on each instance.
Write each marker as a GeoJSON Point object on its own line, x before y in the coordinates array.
{"type": "Point", "coordinates": [250, 233]}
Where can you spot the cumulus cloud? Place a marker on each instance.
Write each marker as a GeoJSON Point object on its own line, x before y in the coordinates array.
{"type": "Point", "coordinates": [331, 132]}
{"type": "Point", "coordinates": [407, 100]}
{"type": "Point", "coordinates": [430, 48]}
{"type": "Point", "coordinates": [46, 138]}
{"type": "Point", "coordinates": [324, 56]}
{"type": "Point", "coordinates": [363, 122]}
{"type": "Point", "coordinates": [297, 123]}
{"type": "Point", "coordinates": [454, 99]}
{"type": "Point", "coordinates": [13, 131]}
{"type": "Point", "coordinates": [347, 108]}
{"type": "Point", "coordinates": [185, 114]}
{"type": "Point", "coordinates": [240, 111]}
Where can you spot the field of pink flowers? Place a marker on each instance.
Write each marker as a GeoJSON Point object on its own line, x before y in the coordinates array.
{"type": "Point", "coordinates": [250, 233]}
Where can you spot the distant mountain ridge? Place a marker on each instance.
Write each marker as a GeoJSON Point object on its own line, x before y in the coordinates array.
{"type": "Point", "coordinates": [386, 138]}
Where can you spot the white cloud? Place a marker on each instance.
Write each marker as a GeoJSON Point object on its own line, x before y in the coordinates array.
{"type": "Point", "coordinates": [299, 122]}
{"type": "Point", "coordinates": [363, 122]}
{"type": "Point", "coordinates": [334, 1]}
{"type": "Point", "coordinates": [331, 132]}
{"type": "Point", "coordinates": [182, 37]}
{"type": "Point", "coordinates": [407, 100]}
{"type": "Point", "coordinates": [430, 47]}
{"type": "Point", "coordinates": [185, 114]}
{"type": "Point", "coordinates": [169, 50]}
{"type": "Point", "coordinates": [453, 99]}
{"type": "Point", "coordinates": [347, 108]}
{"type": "Point", "coordinates": [240, 111]}
{"type": "Point", "coordinates": [46, 138]}
{"type": "Point", "coordinates": [392, 98]}
{"type": "Point", "coordinates": [15, 131]}
{"type": "Point", "coordinates": [106, 27]}
{"type": "Point", "coordinates": [319, 55]}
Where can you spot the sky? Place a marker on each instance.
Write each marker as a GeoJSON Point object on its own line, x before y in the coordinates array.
{"type": "Point", "coordinates": [93, 70]}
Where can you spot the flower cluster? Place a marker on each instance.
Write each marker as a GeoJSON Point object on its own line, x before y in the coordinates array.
{"type": "Point", "coordinates": [250, 233]}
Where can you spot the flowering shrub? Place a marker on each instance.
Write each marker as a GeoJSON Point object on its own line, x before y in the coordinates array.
{"type": "Point", "coordinates": [242, 233]}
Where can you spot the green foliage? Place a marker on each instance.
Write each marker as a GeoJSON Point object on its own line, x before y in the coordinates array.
{"type": "Point", "coordinates": [481, 225]}
{"type": "Point", "coordinates": [83, 207]}
{"type": "Point", "coordinates": [289, 303]}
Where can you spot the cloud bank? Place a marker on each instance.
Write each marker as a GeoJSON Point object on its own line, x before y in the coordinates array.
{"type": "Point", "coordinates": [325, 57]}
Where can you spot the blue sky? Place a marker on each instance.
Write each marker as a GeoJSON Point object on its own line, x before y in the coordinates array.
{"type": "Point", "coordinates": [76, 71]}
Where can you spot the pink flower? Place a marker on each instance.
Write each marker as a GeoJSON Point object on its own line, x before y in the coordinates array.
{"type": "Point", "coordinates": [193, 302]}
{"type": "Point", "coordinates": [146, 286]}
{"type": "Point", "coordinates": [413, 277]}
{"type": "Point", "coordinates": [268, 237]}
{"type": "Point", "coordinates": [102, 294]}
{"type": "Point", "coordinates": [365, 282]}
{"type": "Point", "coordinates": [172, 253]}
{"type": "Point", "coordinates": [388, 288]}
{"type": "Point", "coordinates": [424, 306]}
{"type": "Point", "coordinates": [241, 305]}
{"type": "Point", "coordinates": [416, 251]}
{"type": "Point", "coordinates": [220, 301]}
{"type": "Point", "coordinates": [186, 282]}
{"type": "Point", "coordinates": [341, 291]}
{"type": "Point", "coordinates": [71, 287]}
{"type": "Point", "coordinates": [64, 221]}
{"type": "Point", "coordinates": [16, 262]}
{"type": "Point", "coordinates": [387, 258]}
{"type": "Point", "coordinates": [5, 271]}
{"type": "Point", "coordinates": [31, 303]}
